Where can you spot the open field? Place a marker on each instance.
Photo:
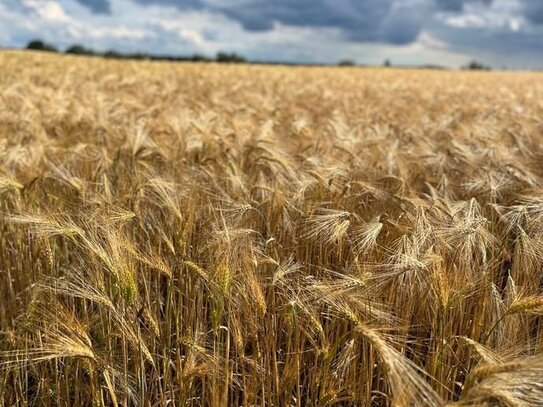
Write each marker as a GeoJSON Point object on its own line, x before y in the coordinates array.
{"type": "Point", "coordinates": [202, 234]}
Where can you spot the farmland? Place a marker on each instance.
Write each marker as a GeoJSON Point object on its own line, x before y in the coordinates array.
{"type": "Point", "coordinates": [184, 234]}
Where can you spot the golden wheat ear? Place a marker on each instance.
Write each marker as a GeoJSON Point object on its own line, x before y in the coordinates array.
{"type": "Point", "coordinates": [514, 383]}
{"type": "Point", "coordinates": [8, 182]}
{"type": "Point", "coordinates": [47, 225]}
{"type": "Point", "coordinates": [327, 226]}
{"type": "Point", "coordinates": [484, 353]}
{"type": "Point", "coordinates": [364, 236]}
{"type": "Point", "coordinates": [407, 386]}
{"type": "Point", "coordinates": [63, 336]}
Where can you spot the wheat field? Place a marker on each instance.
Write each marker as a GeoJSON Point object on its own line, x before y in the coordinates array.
{"type": "Point", "coordinates": [179, 234]}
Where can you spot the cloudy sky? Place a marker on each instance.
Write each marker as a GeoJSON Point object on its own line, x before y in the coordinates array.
{"type": "Point", "coordinates": [446, 32]}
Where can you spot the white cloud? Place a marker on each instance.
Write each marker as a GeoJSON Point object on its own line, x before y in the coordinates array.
{"type": "Point", "coordinates": [427, 40]}
{"type": "Point", "coordinates": [50, 11]}
{"type": "Point", "coordinates": [515, 24]}
{"type": "Point", "coordinates": [192, 36]}
{"type": "Point", "coordinates": [499, 14]}
{"type": "Point", "coordinates": [118, 32]}
{"type": "Point", "coordinates": [465, 21]}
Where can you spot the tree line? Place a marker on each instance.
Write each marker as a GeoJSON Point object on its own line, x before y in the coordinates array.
{"type": "Point", "coordinates": [78, 49]}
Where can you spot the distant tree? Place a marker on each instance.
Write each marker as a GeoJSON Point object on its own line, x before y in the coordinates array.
{"type": "Point", "coordinates": [138, 55]}
{"type": "Point", "coordinates": [230, 57]}
{"type": "Point", "coordinates": [476, 66]}
{"type": "Point", "coordinates": [79, 50]}
{"type": "Point", "coordinates": [387, 63]}
{"type": "Point", "coordinates": [113, 54]}
{"type": "Point", "coordinates": [346, 62]}
{"type": "Point", "coordinates": [199, 58]}
{"type": "Point", "coordinates": [40, 45]}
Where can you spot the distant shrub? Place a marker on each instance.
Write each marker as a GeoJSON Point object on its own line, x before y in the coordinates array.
{"type": "Point", "coordinates": [40, 45]}
{"type": "Point", "coordinates": [476, 66]}
{"type": "Point", "coordinates": [199, 58]}
{"type": "Point", "coordinates": [113, 54]}
{"type": "Point", "coordinates": [79, 50]}
{"type": "Point", "coordinates": [346, 62]}
{"type": "Point", "coordinates": [230, 57]}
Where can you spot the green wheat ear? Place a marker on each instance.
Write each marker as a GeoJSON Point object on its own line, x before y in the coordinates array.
{"type": "Point", "coordinates": [115, 289]}
{"type": "Point", "coordinates": [130, 292]}
{"type": "Point", "coordinates": [127, 290]}
{"type": "Point", "coordinates": [215, 314]}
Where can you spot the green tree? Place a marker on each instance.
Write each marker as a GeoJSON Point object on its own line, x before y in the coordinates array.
{"type": "Point", "coordinates": [40, 45]}
{"type": "Point", "coordinates": [346, 62]}
{"type": "Point", "coordinates": [230, 57]}
{"type": "Point", "coordinates": [79, 50]}
{"type": "Point", "coordinates": [476, 66]}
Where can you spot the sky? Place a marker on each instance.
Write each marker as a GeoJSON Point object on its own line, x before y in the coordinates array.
{"type": "Point", "coordinates": [499, 33]}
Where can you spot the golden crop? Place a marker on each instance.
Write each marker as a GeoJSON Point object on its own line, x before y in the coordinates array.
{"type": "Point", "coordinates": [178, 234]}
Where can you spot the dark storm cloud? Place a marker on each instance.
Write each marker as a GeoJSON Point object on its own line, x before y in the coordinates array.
{"type": "Point", "coordinates": [97, 6]}
{"type": "Point", "coordinates": [450, 5]}
{"type": "Point", "coordinates": [457, 5]}
{"type": "Point", "coordinates": [358, 20]}
{"type": "Point", "coordinates": [533, 10]}
{"type": "Point", "coordinates": [180, 4]}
